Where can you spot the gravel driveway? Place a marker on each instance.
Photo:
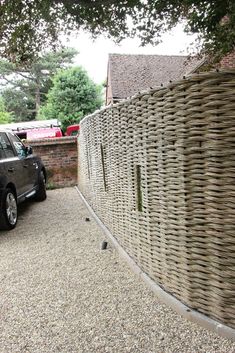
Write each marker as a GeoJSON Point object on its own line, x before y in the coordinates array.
{"type": "Point", "coordinates": [60, 293]}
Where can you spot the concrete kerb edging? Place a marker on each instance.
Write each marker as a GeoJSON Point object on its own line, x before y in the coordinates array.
{"type": "Point", "coordinates": [163, 296]}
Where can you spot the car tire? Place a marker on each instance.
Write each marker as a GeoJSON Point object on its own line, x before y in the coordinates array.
{"type": "Point", "coordinates": [41, 194]}
{"type": "Point", "coordinates": [9, 210]}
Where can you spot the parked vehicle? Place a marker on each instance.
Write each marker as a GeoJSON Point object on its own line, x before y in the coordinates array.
{"type": "Point", "coordinates": [40, 133]}
{"type": "Point", "coordinates": [72, 130]}
{"type": "Point", "coordinates": [22, 176]}
{"type": "Point", "coordinates": [37, 129]}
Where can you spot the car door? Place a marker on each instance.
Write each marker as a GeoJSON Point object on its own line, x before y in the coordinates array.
{"type": "Point", "coordinates": [14, 170]}
{"type": "Point", "coordinates": [28, 161]}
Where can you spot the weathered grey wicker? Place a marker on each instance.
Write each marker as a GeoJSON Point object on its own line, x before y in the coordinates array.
{"type": "Point", "coordinates": [159, 170]}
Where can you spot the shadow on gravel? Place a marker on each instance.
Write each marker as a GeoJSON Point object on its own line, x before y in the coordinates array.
{"type": "Point", "coordinates": [24, 208]}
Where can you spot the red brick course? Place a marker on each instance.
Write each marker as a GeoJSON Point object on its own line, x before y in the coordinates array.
{"type": "Point", "coordinates": [60, 157]}
{"type": "Point", "coordinates": [228, 61]}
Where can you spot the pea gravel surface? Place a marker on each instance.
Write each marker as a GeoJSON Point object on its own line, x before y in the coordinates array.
{"type": "Point", "coordinates": [59, 292]}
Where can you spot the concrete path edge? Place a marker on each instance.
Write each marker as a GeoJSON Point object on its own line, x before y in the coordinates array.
{"type": "Point", "coordinates": [163, 296]}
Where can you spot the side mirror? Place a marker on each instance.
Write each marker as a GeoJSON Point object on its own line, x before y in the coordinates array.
{"type": "Point", "coordinates": [29, 150]}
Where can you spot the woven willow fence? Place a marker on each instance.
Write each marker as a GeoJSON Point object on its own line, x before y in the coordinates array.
{"type": "Point", "coordinates": [159, 171]}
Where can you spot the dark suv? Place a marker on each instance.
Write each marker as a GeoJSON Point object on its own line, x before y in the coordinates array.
{"type": "Point", "coordinates": [22, 175]}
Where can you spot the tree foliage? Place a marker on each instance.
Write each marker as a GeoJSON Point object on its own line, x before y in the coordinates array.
{"type": "Point", "coordinates": [26, 87]}
{"type": "Point", "coordinates": [20, 103]}
{"type": "Point", "coordinates": [72, 96]}
{"type": "Point", "coordinates": [5, 117]}
{"type": "Point", "coordinates": [26, 27]}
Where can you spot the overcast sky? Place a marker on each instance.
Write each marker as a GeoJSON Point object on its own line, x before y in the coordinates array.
{"type": "Point", "coordinates": [94, 54]}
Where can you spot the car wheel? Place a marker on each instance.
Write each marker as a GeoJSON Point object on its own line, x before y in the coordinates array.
{"type": "Point", "coordinates": [9, 210]}
{"type": "Point", "coordinates": [41, 194]}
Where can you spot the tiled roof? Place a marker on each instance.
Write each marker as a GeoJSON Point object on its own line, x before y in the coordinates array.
{"type": "Point", "coordinates": [130, 74]}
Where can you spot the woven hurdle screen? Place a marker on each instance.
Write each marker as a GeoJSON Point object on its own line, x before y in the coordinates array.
{"type": "Point", "coordinates": [158, 169]}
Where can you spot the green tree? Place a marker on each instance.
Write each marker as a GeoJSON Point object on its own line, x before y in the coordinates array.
{"type": "Point", "coordinates": [27, 86]}
{"type": "Point", "coordinates": [5, 117]}
{"type": "Point", "coordinates": [20, 103]}
{"type": "Point", "coordinates": [26, 27]}
{"type": "Point", "coordinates": [72, 96]}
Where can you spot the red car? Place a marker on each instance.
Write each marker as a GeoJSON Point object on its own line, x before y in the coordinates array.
{"type": "Point", "coordinates": [72, 130]}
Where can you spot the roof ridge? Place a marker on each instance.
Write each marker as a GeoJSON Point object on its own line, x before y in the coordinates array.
{"type": "Point", "coordinates": [162, 55]}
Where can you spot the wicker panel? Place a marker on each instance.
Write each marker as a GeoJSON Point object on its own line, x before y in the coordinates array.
{"type": "Point", "coordinates": [159, 171]}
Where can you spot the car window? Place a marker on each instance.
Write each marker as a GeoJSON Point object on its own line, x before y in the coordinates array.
{"type": "Point", "coordinates": [74, 133]}
{"type": "Point", "coordinates": [2, 154]}
{"type": "Point", "coordinates": [6, 147]}
{"type": "Point", "coordinates": [19, 147]}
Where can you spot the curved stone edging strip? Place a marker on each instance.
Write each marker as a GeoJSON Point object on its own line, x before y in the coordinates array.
{"type": "Point", "coordinates": [159, 171]}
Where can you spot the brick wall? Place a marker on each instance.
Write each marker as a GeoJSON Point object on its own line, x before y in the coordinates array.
{"type": "Point", "coordinates": [228, 61]}
{"type": "Point", "coordinates": [60, 158]}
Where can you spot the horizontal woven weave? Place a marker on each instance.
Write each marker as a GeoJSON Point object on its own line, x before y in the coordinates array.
{"type": "Point", "coordinates": [159, 170]}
